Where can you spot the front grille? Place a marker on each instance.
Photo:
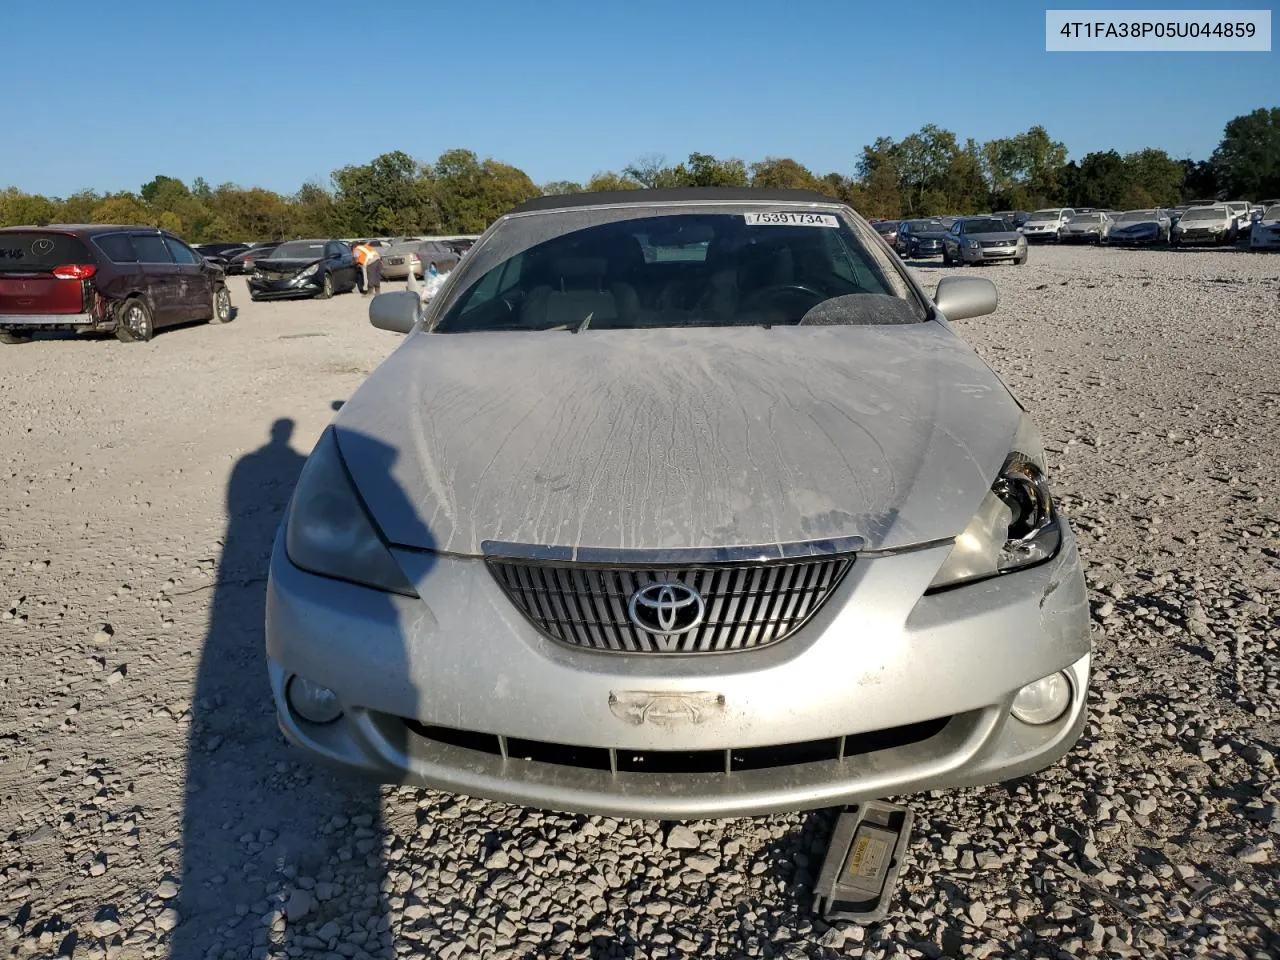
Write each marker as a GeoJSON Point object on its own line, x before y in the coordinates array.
{"type": "Point", "coordinates": [745, 605]}
{"type": "Point", "coordinates": [726, 761]}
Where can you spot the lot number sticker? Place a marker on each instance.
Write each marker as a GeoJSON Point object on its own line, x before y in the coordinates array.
{"type": "Point", "coordinates": [791, 219]}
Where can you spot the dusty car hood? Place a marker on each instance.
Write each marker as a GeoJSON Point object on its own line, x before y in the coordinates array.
{"type": "Point", "coordinates": [666, 438]}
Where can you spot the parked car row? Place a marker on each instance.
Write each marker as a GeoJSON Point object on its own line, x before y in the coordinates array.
{"type": "Point", "coordinates": [1207, 223]}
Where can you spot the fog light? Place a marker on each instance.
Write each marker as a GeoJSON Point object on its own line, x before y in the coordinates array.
{"type": "Point", "coordinates": [1043, 701]}
{"type": "Point", "coordinates": [312, 702]}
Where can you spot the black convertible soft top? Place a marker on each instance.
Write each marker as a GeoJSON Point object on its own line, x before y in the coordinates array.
{"type": "Point", "coordinates": [673, 195]}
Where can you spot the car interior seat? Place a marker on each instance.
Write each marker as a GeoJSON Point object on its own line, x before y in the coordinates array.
{"type": "Point", "coordinates": [575, 289]}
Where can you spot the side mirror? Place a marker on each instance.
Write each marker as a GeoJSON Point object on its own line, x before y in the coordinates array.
{"type": "Point", "coordinates": [400, 310]}
{"type": "Point", "coordinates": [960, 298]}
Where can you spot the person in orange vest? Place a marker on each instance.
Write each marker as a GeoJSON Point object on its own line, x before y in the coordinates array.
{"type": "Point", "coordinates": [370, 261]}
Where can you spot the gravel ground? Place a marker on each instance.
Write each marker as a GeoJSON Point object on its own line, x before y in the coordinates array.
{"type": "Point", "coordinates": [149, 808]}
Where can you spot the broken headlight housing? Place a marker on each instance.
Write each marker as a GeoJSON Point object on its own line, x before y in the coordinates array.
{"type": "Point", "coordinates": [1016, 525]}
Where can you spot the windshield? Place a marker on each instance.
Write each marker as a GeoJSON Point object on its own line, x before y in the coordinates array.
{"type": "Point", "coordinates": [22, 251]}
{"type": "Point", "coordinates": [887, 226]}
{"type": "Point", "coordinates": [299, 250]}
{"type": "Point", "coordinates": [1046, 215]}
{"type": "Point", "coordinates": [1205, 213]}
{"type": "Point", "coordinates": [1138, 216]}
{"type": "Point", "coordinates": [1086, 218]}
{"type": "Point", "coordinates": [922, 226]}
{"type": "Point", "coordinates": [686, 269]}
{"type": "Point", "coordinates": [1273, 213]}
{"type": "Point", "coordinates": [986, 225]}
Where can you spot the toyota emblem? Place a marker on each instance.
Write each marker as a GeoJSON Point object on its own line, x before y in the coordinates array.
{"type": "Point", "coordinates": [666, 608]}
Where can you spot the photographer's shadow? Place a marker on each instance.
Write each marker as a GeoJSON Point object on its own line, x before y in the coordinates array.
{"type": "Point", "coordinates": [265, 832]}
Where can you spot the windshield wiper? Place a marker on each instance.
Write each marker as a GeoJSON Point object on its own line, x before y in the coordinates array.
{"type": "Point", "coordinates": [586, 322]}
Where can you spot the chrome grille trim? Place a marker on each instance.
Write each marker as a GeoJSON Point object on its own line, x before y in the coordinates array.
{"type": "Point", "coordinates": [748, 604]}
{"type": "Point", "coordinates": [763, 553]}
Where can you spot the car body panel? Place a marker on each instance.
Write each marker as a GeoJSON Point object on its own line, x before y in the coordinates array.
{"type": "Point", "coordinates": [175, 293]}
{"type": "Point", "coordinates": [993, 245]}
{"type": "Point", "coordinates": [420, 254]}
{"type": "Point", "coordinates": [279, 277]}
{"type": "Point", "coordinates": [915, 242]}
{"type": "Point", "coordinates": [1153, 227]}
{"type": "Point", "coordinates": [1046, 224]}
{"type": "Point", "coordinates": [845, 674]}
{"type": "Point", "coordinates": [1266, 230]}
{"type": "Point", "coordinates": [1195, 226]}
{"type": "Point", "coordinates": [846, 428]}
{"type": "Point", "coordinates": [875, 444]}
{"type": "Point", "coordinates": [1091, 227]}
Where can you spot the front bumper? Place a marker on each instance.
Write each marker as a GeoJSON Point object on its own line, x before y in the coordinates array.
{"type": "Point", "coordinates": [284, 289]}
{"type": "Point", "coordinates": [1072, 236]}
{"type": "Point", "coordinates": [399, 271]}
{"type": "Point", "coordinates": [1202, 236]}
{"type": "Point", "coordinates": [985, 254]}
{"type": "Point", "coordinates": [1125, 239]}
{"type": "Point", "coordinates": [925, 248]}
{"type": "Point", "coordinates": [47, 320]}
{"type": "Point", "coordinates": [878, 656]}
{"type": "Point", "coordinates": [1040, 233]}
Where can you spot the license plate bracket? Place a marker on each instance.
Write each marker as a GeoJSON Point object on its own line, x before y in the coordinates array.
{"type": "Point", "coordinates": [860, 873]}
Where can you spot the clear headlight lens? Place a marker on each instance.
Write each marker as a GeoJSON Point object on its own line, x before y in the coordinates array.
{"type": "Point", "coordinates": [971, 244]}
{"type": "Point", "coordinates": [330, 534]}
{"type": "Point", "coordinates": [310, 271]}
{"type": "Point", "coordinates": [1016, 525]}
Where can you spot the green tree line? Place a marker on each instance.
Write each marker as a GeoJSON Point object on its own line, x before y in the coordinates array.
{"type": "Point", "coordinates": [928, 172]}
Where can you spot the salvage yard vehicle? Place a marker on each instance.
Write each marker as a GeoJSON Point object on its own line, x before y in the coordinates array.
{"type": "Point", "coordinates": [1047, 224]}
{"type": "Point", "coordinates": [242, 263]}
{"type": "Point", "coordinates": [102, 278]}
{"type": "Point", "coordinates": [1211, 224]}
{"type": "Point", "coordinates": [688, 503]}
{"type": "Point", "coordinates": [889, 230]}
{"type": "Point", "coordinates": [304, 268]}
{"type": "Point", "coordinates": [921, 238]}
{"type": "Point", "coordinates": [1140, 226]}
{"type": "Point", "coordinates": [1091, 227]}
{"type": "Point", "coordinates": [1266, 230]}
{"type": "Point", "coordinates": [418, 256]}
{"type": "Point", "coordinates": [983, 240]}
{"type": "Point", "coordinates": [220, 253]}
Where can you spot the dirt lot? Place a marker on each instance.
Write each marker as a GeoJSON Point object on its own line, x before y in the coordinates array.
{"type": "Point", "coordinates": [149, 807]}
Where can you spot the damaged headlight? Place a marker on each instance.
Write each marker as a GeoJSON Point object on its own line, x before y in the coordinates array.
{"type": "Point", "coordinates": [329, 532]}
{"type": "Point", "coordinates": [1016, 525]}
{"type": "Point", "coordinates": [310, 271]}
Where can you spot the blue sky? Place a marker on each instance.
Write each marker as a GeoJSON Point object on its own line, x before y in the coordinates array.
{"type": "Point", "coordinates": [276, 94]}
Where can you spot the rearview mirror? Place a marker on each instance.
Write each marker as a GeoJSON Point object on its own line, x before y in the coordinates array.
{"type": "Point", "coordinates": [960, 298]}
{"type": "Point", "coordinates": [398, 311]}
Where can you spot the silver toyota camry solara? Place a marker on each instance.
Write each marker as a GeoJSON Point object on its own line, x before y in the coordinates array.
{"type": "Point", "coordinates": [680, 504]}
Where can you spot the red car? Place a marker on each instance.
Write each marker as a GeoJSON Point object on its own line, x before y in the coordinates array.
{"type": "Point", "coordinates": [125, 280]}
{"type": "Point", "coordinates": [889, 230]}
